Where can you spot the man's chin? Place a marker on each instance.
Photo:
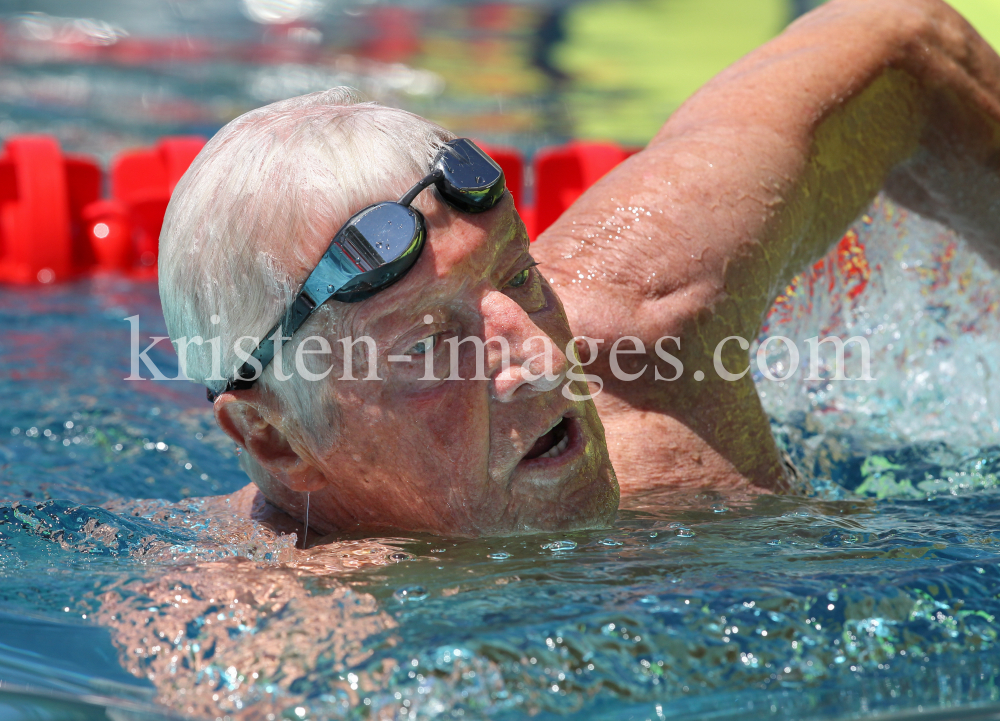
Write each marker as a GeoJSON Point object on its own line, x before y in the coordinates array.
{"type": "Point", "coordinates": [587, 501]}
{"type": "Point", "coordinates": [592, 505]}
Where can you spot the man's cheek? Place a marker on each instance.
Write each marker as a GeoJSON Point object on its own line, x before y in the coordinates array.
{"type": "Point", "coordinates": [458, 426]}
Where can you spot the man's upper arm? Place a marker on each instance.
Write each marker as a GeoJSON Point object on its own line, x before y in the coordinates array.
{"type": "Point", "coordinates": [760, 171]}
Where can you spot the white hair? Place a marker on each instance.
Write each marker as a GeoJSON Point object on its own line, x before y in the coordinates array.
{"type": "Point", "coordinates": [257, 208]}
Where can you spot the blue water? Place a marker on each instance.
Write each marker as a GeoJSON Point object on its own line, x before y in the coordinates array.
{"type": "Point", "coordinates": [120, 590]}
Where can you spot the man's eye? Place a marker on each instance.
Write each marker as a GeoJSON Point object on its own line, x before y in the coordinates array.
{"type": "Point", "coordinates": [422, 346]}
{"type": "Point", "coordinates": [520, 279]}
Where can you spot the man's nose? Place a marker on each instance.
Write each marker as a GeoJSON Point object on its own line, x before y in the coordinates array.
{"type": "Point", "coordinates": [534, 361]}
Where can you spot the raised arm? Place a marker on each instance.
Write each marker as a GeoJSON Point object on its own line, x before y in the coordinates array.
{"type": "Point", "coordinates": [756, 176]}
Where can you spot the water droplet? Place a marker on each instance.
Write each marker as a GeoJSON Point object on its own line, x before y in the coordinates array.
{"type": "Point", "coordinates": [720, 508]}
{"type": "Point", "coordinates": [438, 550]}
{"type": "Point", "coordinates": [654, 534]}
{"type": "Point", "coordinates": [410, 594]}
{"type": "Point", "coordinates": [499, 556]}
{"type": "Point", "coordinates": [611, 542]}
{"type": "Point", "coordinates": [685, 533]}
{"type": "Point", "coordinates": [400, 556]}
{"type": "Point", "coordinates": [560, 546]}
{"type": "Point", "coordinates": [774, 542]}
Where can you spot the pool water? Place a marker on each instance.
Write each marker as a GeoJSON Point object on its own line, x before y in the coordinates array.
{"type": "Point", "coordinates": [125, 596]}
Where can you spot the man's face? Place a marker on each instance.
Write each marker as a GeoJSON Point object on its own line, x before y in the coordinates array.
{"type": "Point", "coordinates": [504, 453]}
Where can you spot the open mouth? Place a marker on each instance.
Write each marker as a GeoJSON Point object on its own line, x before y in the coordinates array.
{"type": "Point", "coordinates": [551, 444]}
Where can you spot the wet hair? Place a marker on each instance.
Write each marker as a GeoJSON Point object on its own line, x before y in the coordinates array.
{"type": "Point", "coordinates": [255, 211]}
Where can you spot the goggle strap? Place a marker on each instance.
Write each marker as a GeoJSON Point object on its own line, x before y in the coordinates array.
{"type": "Point", "coordinates": [299, 311]}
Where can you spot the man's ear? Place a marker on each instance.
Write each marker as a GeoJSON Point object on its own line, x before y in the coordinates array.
{"type": "Point", "coordinates": [253, 427]}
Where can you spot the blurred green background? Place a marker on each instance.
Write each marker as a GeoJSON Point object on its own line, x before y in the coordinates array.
{"type": "Point", "coordinates": [648, 56]}
{"type": "Point", "coordinates": [106, 74]}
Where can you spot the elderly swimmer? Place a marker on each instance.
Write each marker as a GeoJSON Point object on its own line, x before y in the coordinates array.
{"type": "Point", "coordinates": [746, 185]}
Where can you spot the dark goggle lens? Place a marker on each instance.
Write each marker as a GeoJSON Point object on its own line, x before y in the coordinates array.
{"type": "Point", "coordinates": [471, 181]}
{"type": "Point", "coordinates": [372, 251]}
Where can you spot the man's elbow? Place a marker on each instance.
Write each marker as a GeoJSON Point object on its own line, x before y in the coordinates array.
{"type": "Point", "coordinates": [906, 29]}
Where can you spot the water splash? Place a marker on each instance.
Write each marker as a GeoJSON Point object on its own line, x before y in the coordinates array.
{"type": "Point", "coordinates": [559, 546]}
{"type": "Point", "coordinates": [929, 309]}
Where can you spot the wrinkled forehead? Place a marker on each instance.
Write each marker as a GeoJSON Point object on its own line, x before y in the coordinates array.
{"type": "Point", "coordinates": [463, 252]}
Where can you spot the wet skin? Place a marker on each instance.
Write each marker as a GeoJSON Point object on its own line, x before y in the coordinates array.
{"type": "Point", "coordinates": [751, 181]}
{"type": "Point", "coordinates": [449, 456]}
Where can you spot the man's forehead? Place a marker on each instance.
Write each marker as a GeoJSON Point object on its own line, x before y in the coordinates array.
{"type": "Point", "coordinates": [474, 241]}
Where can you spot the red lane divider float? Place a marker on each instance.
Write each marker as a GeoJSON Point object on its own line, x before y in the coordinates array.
{"type": "Point", "coordinates": [124, 231]}
{"type": "Point", "coordinates": [42, 195]}
{"type": "Point", "coordinates": [563, 173]}
{"type": "Point", "coordinates": [55, 226]}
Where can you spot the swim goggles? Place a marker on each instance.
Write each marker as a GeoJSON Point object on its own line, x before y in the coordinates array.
{"type": "Point", "coordinates": [379, 245]}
